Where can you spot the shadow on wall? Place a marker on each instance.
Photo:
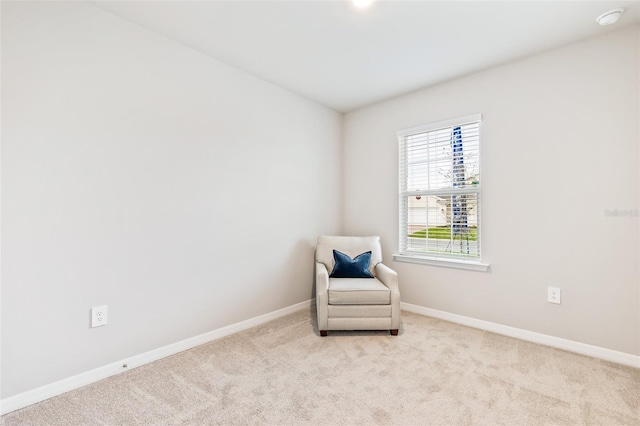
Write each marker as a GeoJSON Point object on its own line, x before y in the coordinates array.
{"type": "Point", "coordinates": [288, 282]}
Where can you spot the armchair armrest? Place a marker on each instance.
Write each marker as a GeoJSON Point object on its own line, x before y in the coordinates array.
{"type": "Point", "coordinates": [388, 277]}
{"type": "Point", "coordinates": [322, 279]}
{"type": "Point", "coordinates": [322, 296]}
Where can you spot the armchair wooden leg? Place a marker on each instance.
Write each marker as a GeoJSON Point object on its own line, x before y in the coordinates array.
{"type": "Point", "coordinates": [323, 333]}
{"type": "Point", "coordinates": [394, 332]}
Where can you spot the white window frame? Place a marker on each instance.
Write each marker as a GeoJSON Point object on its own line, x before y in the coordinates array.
{"type": "Point", "coordinates": [429, 258]}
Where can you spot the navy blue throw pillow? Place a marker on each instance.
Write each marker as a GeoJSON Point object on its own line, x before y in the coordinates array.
{"type": "Point", "coordinates": [346, 267]}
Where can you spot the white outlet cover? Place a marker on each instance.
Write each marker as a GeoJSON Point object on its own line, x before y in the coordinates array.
{"type": "Point", "coordinates": [99, 316]}
{"type": "Point", "coordinates": [553, 295]}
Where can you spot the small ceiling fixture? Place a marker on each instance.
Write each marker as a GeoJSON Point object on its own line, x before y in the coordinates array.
{"type": "Point", "coordinates": [362, 3]}
{"type": "Point", "coordinates": [610, 17]}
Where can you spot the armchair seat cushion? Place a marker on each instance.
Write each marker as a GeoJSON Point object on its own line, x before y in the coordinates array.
{"type": "Point", "coordinates": [358, 291]}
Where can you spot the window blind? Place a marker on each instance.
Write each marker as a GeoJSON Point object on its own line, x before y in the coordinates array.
{"type": "Point", "coordinates": [439, 188]}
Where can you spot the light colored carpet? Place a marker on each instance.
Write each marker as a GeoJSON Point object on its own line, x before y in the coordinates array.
{"type": "Point", "coordinates": [283, 373]}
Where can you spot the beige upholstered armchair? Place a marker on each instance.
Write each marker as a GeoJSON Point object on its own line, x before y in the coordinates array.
{"type": "Point", "coordinates": [369, 302]}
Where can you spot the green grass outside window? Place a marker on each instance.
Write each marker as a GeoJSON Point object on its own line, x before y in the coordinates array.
{"type": "Point", "coordinates": [444, 233]}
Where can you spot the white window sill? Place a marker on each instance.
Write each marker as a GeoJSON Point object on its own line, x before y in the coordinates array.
{"type": "Point", "coordinates": [470, 265]}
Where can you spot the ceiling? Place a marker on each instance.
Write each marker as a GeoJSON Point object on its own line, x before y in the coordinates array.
{"type": "Point", "coordinates": [345, 58]}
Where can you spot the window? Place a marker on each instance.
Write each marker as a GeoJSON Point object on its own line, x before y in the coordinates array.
{"type": "Point", "coordinates": [440, 192]}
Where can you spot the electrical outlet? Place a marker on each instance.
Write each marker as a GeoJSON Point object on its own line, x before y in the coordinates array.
{"type": "Point", "coordinates": [99, 316]}
{"type": "Point", "coordinates": [553, 295]}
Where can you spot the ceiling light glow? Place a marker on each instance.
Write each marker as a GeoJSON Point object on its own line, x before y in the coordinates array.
{"type": "Point", "coordinates": [610, 17]}
{"type": "Point", "coordinates": [362, 3]}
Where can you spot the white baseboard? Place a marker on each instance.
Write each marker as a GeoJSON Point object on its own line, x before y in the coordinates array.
{"type": "Point", "coordinates": [530, 336]}
{"type": "Point", "coordinates": [65, 385]}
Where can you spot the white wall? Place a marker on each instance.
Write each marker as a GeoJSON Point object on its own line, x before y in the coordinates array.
{"type": "Point", "coordinates": [184, 194]}
{"type": "Point", "coordinates": [560, 146]}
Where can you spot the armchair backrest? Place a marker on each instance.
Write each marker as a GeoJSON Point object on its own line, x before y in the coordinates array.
{"type": "Point", "coordinates": [351, 246]}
